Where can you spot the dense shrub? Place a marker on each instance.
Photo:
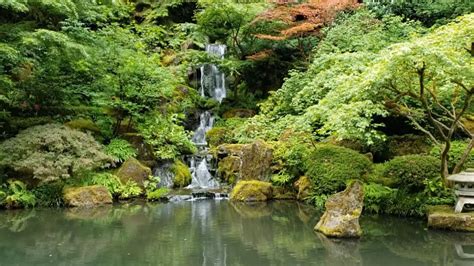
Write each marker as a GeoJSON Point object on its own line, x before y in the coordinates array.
{"type": "Point", "coordinates": [330, 167]}
{"type": "Point", "coordinates": [51, 152]}
{"type": "Point", "coordinates": [410, 172]}
{"type": "Point", "coordinates": [49, 194]}
{"type": "Point", "coordinates": [455, 153]}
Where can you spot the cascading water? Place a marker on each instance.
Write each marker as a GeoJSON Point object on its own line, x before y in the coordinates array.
{"type": "Point", "coordinates": [212, 86]}
{"type": "Point", "coordinates": [206, 122]}
{"type": "Point", "coordinates": [165, 174]}
{"type": "Point", "coordinates": [212, 79]}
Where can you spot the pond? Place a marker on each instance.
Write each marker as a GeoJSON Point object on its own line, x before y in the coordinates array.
{"type": "Point", "coordinates": [210, 232]}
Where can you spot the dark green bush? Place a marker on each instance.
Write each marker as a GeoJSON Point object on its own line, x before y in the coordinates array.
{"type": "Point", "coordinates": [455, 153]}
{"type": "Point", "coordinates": [330, 167]}
{"type": "Point", "coordinates": [49, 194]}
{"type": "Point", "coordinates": [410, 172]}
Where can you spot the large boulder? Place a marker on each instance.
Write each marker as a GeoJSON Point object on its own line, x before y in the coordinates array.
{"type": "Point", "coordinates": [133, 170]}
{"type": "Point", "coordinates": [444, 217]}
{"type": "Point", "coordinates": [245, 161]}
{"type": "Point", "coordinates": [343, 209]}
{"type": "Point", "coordinates": [87, 196]}
{"type": "Point", "coordinates": [253, 190]}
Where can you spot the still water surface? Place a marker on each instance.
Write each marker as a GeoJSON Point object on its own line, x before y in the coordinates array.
{"type": "Point", "coordinates": [216, 233]}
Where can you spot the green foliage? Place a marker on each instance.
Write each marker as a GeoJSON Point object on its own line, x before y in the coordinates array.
{"type": "Point", "coordinates": [110, 181]}
{"type": "Point", "coordinates": [281, 179]}
{"type": "Point", "coordinates": [16, 195]}
{"type": "Point", "coordinates": [410, 172]}
{"type": "Point", "coordinates": [51, 152]}
{"type": "Point", "coordinates": [156, 194]}
{"type": "Point", "coordinates": [289, 156]}
{"type": "Point", "coordinates": [49, 194]}
{"type": "Point", "coordinates": [376, 197]}
{"type": "Point", "coordinates": [362, 31]}
{"type": "Point", "coordinates": [331, 167]}
{"type": "Point", "coordinates": [455, 153]}
{"type": "Point", "coordinates": [429, 12]}
{"type": "Point", "coordinates": [169, 145]}
{"type": "Point", "coordinates": [182, 174]}
{"type": "Point", "coordinates": [120, 150]}
{"type": "Point", "coordinates": [130, 190]}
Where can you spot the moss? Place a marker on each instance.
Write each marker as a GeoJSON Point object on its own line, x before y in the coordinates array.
{"type": "Point", "coordinates": [182, 174]}
{"type": "Point", "coordinates": [407, 144]}
{"type": "Point", "coordinates": [255, 159]}
{"type": "Point", "coordinates": [83, 124]}
{"type": "Point", "coordinates": [87, 196]}
{"type": "Point", "coordinates": [216, 136]}
{"type": "Point", "coordinates": [133, 170]}
{"type": "Point", "coordinates": [252, 190]}
{"type": "Point", "coordinates": [228, 169]}
{"type": "Point", "coordinates": [283, 193]}
{"type": "Point", "coordinates": [444, 217]}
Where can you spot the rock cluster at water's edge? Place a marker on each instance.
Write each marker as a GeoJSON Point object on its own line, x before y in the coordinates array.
{"type": "Point", "coordinates": [245, 161]}
{"type": "Point", "coordinates": [343, 209]}
{"type": "Point", "coordinates": [87, 196]}
{"type": "Point", "coordinates": [133, 170]}
{"type": "Point", "coordinates": [252, 190]}
{"type": "Point", "coordinates": [444, 217]}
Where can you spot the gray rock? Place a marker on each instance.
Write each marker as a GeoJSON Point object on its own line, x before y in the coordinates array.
{"type": "Point", "coordinates": [343, 210]}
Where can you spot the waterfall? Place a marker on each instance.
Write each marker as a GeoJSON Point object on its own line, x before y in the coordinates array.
{"type": "Point", "coordinates": [165, 174]}
{"type": "Point", "coordinates": [212, 86]}
{"type": "Point", "coordinates": [212, 79]}
{"type": "Point", "coordinates": [206, 122]}
{"type": "Point", "coordinates": [201, 177]}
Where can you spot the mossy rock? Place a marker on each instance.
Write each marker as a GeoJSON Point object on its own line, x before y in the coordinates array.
{"type": "Point", "coordinates": [343, 209]}
{"type": "Point", "coordinates": [303, 187]}
{"type": "Point", "coordinates": [252, 191]}
{"type": "Point", "coordinates": [86, 196]}
{"type": "Point", "coordinates": [239, 112]}
{"type": "Point", "coordinates": [182, 174]}
{"type": "Point", "coordinates": [229, 169]}
{"type": "Point", "coordinates": [444, 217]}
{"type": "Point", "coordinates": [216, 136]}
{"type": "Point", "coordinates": [255, 160]}
{"type": "Point", "coordinates": [133, 170]}
{"type": "Point", "coordinates": [283, 193]}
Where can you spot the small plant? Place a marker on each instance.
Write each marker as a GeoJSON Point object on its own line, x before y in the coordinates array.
{"type": "Point", "coordinates": [120, 150]}
{"type": "Point", "coordinates": [130, 190]}
{"type": "Point", "coordinates": [18, 196]}
{"type": "Point", "coordinates": [50, 194]}
{"type": "Point", "coordinates": [281, 179]}
{"type": "Point", "coordinates": [156, 194]}
{"type": "Point", "coordinates": [376, 196]}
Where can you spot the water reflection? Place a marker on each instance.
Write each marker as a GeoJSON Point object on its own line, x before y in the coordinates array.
{"type": "Point", "coordinates": [216, 233]}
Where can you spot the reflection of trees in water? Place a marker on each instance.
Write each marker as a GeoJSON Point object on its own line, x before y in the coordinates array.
{"type": "Point", "coordinates": [409, 239]}
{"type": "Point", "coordinates": [212, 232]}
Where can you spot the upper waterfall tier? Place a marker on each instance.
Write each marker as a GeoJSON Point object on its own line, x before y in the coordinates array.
{"type": "Point", "coordinates": [212, 79]}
